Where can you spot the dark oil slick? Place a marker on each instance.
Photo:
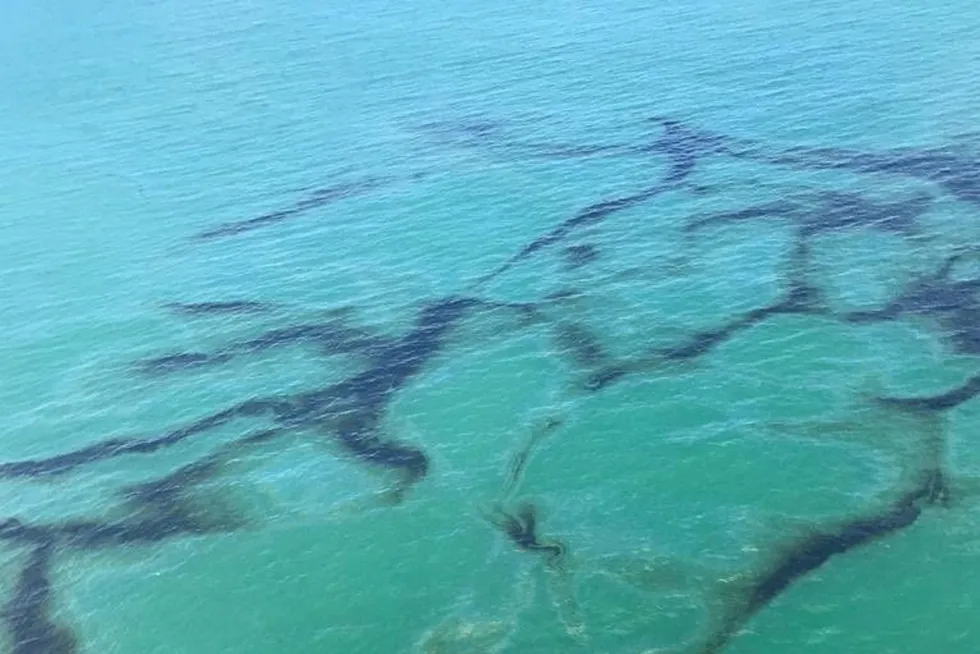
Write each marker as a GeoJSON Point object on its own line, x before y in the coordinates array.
{"type": "Point", "coordinates": [802, 557]}
{"type": "Point", "coordinates": [593, 214]}
{"type": "Point", "coordinates": [352, 409]}
{"type": "Point", "coordinates": [27, 614]}
{"type": "Point", "coordinates": [330, 338]}
{"type": "Point", "coordinates": [318, 198]}
{"type": "Point", "coordinates": [953, 304]}
{"type": "Point", "coordinates": [832, 211]}
{"type": "Point", "coordinates": [521, 526]}
{"type": "Point", "coordinates": [748, 594]}
{"type": "Point", "coordinates": [580, 344]}
{"type": "Point", "coordinates": [579, 256]}
{"type": "Point", "coordinates": [217, 308]}
{"type": "Point", "coordinates": [352, 413]}
{"type": "Point", "coordinates": [519, 461]}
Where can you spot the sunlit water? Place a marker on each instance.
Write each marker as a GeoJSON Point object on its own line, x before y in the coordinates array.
{"type": "Point", "coordinates": [451, 136]}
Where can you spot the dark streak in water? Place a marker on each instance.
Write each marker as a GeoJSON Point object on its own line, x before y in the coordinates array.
{"type": "Point", "coordinates": [580, 343]}
{"type": "Point", "coordinates": [831, 211]}
{"type": "Point", "coordinates": [491, 136]}
{"type": "Point", "coordinates": [777, 209]}
{"type": "Point", "coordinates": [521, 527]}
{"type": "Point", "coordinates": [216, 308]}
{"type": "Point", "coordinates": [795, 560]}
{"type": "Point", "coordinates": [165, 506]}
{"type": "Point", "coordinates": [591, 215]}
{"type": "Point", "coordinates": [957, 173]}
{"type": "Point", "coordinates": [318, 198]}
{"type": "Point", "coordinates": [942, 402]}
{"type": "Point", "coordinates": [463, 133]}
{"type": "Point", "coordinates": [89, 534]}
{"type": "Point", "coordinates": [605, 376]}
{"type": "Point", "coordinates": [683, 146]}
{"type": "Point", "coordinates": [801, 299]}
{"type": "Point", "coordinates": [802, 296]}
{"type": "Point", "coordinates": [954, 169]}
{"type": "Point", "coordinates": [703, 342]}
{"type": "Point", "coordinates": [578, 256]}
{"type": "Point", "coordinates": [178, 361]}
{"type": "Point", "coordinates": [953, 304]}
{"type": "Point", "coordinates": [351, 409]}
{"type": "Point", "coordinates": [517, 465]}
{"type": "Point", "coordinates": [157, 510]}
{"type": "Point", "coordinates": [27, 614]}
{"type": "Point", "coordinates": [115, 447]}
{"type": "Point", "coordinates": [330, 338]}
{"type": "Point", "coordinates": [813, 551]}
{"type": "Point", "coordinates": [697, 345]}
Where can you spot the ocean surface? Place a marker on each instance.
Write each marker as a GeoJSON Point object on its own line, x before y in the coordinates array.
{"type": "Point", "coordinates": [466, 327]}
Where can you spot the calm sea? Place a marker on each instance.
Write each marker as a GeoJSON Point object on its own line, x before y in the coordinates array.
{"type": "Point", "coordinates": [466, 327]}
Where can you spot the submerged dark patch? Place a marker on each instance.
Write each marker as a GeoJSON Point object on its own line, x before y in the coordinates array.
{"type": "Point", "coordinates": [953, 304]}
{"type": "Point", "coordinates": [580, 344]}
{"type": "Point", "coordinates": [327, 339]}
{"type": "Point", "coordinates": [518, 463]}
{"type": "Point", "coordinates": [27, 614]}
{"type": "Point", "coordinates": [683, 146]}
{"type": "Point", "coordinates": [954, 169]}
{"type": "Point", "coordinates": [703, 342]}
{"type": "Point", "coordinates": [316, 199]}
{"type": "Point", "coordinates": [578, 256]}
{"type": "Point", "coordinates": [940, 402]}
{"type": "Point", "coordinates": [831, 211]}
{"type": "Point", "coordinates": [220, 308]}
{"type": "Point", "coordinates": [352, 412]}
{"type": "Point", "coordinates": [521, 527]}
{"type": "Point", "coordinates": [352, 409]}
{"type": "Point", "coordinates": [810, 553]}
{"type": "Point", "coordinates": [591, 215]}
{"type": "Point", "coordinates": [180, 361]}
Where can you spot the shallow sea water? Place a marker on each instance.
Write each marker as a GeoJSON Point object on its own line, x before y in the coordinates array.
{"type": "Point", "coordinates": [710, 467]}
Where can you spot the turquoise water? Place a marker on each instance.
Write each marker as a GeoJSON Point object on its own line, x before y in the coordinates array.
{"type": "Point", "coordinates": [446, 130]}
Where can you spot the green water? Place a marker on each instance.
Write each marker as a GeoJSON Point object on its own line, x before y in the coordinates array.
{"type": "Point", "coordinates": [127, 128]}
